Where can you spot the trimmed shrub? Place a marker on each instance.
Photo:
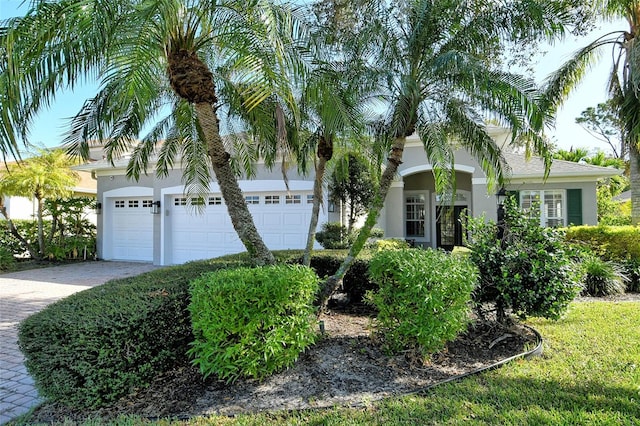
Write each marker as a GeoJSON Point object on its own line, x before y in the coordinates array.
{"type": "Point", "coordinates": [423, 300]}
{"type": "Point", "coordinates": [390, 244]}
{"type": "Point", "coordinates": [602, 278]}
{"type": "Point", "coordinates": [530, 271]}
{"type": "Point", "coordinates": [96, 346]}
{"type": "Point", "coordinates": [333, 235]}
{"type": "Point", "coordinates": [252, 322]}
{"type": "Point", "coordinates": [616, 243]}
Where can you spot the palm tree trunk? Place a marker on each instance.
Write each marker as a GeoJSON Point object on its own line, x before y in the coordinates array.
{"type": "Point", "coordinates": [634, 173]}
{"type": "Point", "coordinates": [394, 160]}
{"type": "Point", "coordinates": [234, 199]}
{"type": "Point", "coordinates": [40, 228]}
{"type": "Point", "coordinates": [14, 231]}
{"type": "Point", "coordinates": [315, 212]}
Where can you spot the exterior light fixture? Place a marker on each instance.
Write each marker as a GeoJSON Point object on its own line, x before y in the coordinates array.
{"type": "Point", "coordinates": [98, 208]}
{"type": "Point", "coordinates": [501, 197]}
{"type": "Point", "coordinates": [155, 207]}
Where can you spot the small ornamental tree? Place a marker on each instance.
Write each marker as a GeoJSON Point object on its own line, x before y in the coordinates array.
{"type": "Point", "coordinates": [352, 184]}
{"type": "Point", "coordinates": [529, 272]}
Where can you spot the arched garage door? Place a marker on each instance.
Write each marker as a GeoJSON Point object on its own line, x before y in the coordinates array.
{"type": "Point", "coordinates": [282, 218]}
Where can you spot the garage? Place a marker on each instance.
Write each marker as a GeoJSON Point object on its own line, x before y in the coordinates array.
{"type": "Point", "coordinates": [130, 226]}
{"type": "Point", "coordinates": [282, 219]}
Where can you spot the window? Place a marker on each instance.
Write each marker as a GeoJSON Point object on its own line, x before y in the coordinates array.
{"type": "Point", "coordinates": [147, 203]}
{"type": "Point", "coordinates": [309, 198]}
{"type": "Point", "coordinates": [252, 199]}
{"type": "Point", "coordinates": [414, 216]}
{"type": "Point", "coordinates": [119, 204]}
{"type": "Point", "coordinates": [180, 201]}
{"type": "Point", "coordinates": [215, 201]}
{"type": "Point", "coordinates": [293, 199]}
{"type": "Point", "coordinates": [198, 201]}
{"type": "Point", "coordinates": [272, 199]}
{"type": "Point", "coordinates": [133, 204]}
{"type": "Point", "coordinates": [548, 205]}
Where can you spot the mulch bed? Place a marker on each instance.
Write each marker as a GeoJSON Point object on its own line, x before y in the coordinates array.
{"type": "Point", "coordinates": [346, 367]}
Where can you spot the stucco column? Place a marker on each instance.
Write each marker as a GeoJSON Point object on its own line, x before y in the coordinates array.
{"type": "Point", "coordinates": [392, 215]}
{"type": "Point", "coordinates": [482, 201]}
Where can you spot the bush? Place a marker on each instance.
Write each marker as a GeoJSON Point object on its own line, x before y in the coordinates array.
{"type": "Point", "coordinates": [530, 272]}
{"type": "Point", "coordinates": [334, 236]}
{"type": "Point", "coordinates": [94, 347]}
{"type": "Point", "coordinates": [390, 244]}
{"type": "Point", "coordinates": [355, 283]}
{"type": "Point", "coordinates": [252, 322]}
{"type": "Point", "coordinates": [7, 261]}
{"type": "Point", "coordinates": [616, 243]}
{"type": "Point", "coordinates": [602, 278]}
{"type": "Point", "coordinates": [631, 270]}
{"type": "Point", "coordinates": [423, 300]}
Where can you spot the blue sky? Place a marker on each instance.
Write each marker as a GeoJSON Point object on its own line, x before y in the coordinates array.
{"type": "Point", "coordinates": [49, 128]}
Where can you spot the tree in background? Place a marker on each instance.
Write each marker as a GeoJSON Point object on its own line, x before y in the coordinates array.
{"type": "Point", "coordinates": [352, 185]}
{"type": "Point", "coordinates": [43, 177]}
{"type": "Point", "coordinates": [603, 123]}
{"type": "Point", "coordinates": [623, 83]}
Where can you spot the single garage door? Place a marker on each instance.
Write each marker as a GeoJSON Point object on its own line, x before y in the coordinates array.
{"type": "Point", "coordinates": [131, 230]}
{"type": "Point", "coordinates": [281, 218]}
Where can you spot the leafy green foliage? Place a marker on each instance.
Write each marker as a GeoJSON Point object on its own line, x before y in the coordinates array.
{"type": "Point", "coordinates": [94, 347]}
{"type": "Point", "coordinates": [601, 277]}
{"type": "Point", "coordinates": [423, 300]}
{"type": "Point", "coordinates": [334, 236]}
{"type": "Point", "coordinates": [390, 244]}
{"type": "Point", "coordinates": [6, 259]}
{"type": "Point", "coordinates": [252, 322]}
{"type": "Point", "coordinates": [69, 234]}
{"type": "Point", "coordinates": [356, 281]}
{"type": "Point", "coordinates": [615, 243]}
{"type": "Point", "coordinates": [530, 272]}
{"type": "Point", "coordinates": [353, 185]}
{"type": "Point", "coordinates": [27, 228]}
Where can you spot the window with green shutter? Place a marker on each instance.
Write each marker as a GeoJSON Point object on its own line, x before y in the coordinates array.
{"type": "Point", "coordinates": [574, 206]}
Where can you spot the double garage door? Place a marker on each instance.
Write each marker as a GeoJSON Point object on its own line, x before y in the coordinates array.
{"type": "Point", "coordinates": [282, 220]}
{"type": "Point", "coordinates": [201, 229]}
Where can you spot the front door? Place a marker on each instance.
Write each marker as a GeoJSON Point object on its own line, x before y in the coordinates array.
{"type": "Point", "coordinates": [449, 228]}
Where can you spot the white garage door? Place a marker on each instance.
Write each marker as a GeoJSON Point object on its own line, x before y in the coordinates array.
{"type": "Point", "coordinates": [281, 218]}
{"type": "Point", "coordinates": [131, 230]}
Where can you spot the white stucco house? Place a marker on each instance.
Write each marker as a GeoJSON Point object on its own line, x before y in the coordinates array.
{"type": "Point", "coordinates": [151, 220]}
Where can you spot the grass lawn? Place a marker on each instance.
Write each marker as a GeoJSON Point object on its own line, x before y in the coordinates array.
{"type": "Point", "coordinates": [589, 374]}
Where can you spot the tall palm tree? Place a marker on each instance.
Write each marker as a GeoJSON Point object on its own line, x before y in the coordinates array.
{"type": "Point", "coordinates": [623, 83]}
{"type": "Point", "coordinates": [434, 61]}
{"type": "Point", "coordinates": [45, 176]}
{"type": "Point", "coordinates": [151, 56]}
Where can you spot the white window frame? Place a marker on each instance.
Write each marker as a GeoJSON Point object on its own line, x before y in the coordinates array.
{"type": "Point", "coordinates": [272, 199]}
{"type": "Point", "coordinates": [293, 199]}
{"type": "Point", "coordinates": [425, 219]}
{"type": "Point", "coordinates": [543, 209]}
{"type": "Point", "coordinates": [252, 199]}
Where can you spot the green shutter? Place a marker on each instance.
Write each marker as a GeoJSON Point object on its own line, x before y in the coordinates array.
{"type": "Point", "coordinates": [574, 206]}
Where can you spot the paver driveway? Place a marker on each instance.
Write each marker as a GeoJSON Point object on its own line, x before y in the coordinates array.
{"type": "Point", "coordinates": [24, 293]}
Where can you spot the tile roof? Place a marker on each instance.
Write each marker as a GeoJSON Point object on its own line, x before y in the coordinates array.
{"type": "Point", "coordinates": [534, 167]}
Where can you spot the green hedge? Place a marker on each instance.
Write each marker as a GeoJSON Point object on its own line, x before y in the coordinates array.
{"type": "Point", "coordinates": [355, 283]}
{"type": "Point", "coordinates": [424, 298]}
{"type": "Point", "coordinates": [95, 346]}
{"type": "Point", "coordinates": [252, 322]}
{"type": "Point", "coordinates": [617, 243]}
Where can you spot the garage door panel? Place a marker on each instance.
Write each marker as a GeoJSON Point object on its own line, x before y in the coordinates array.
{"type": "Point", "coordinates": [130, 229]}
{"type": "Point", "coordinates": [282, 226]}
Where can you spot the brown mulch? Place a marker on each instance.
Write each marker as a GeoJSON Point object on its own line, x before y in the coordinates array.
{"type": "Point", "coordinates": [346, 367]}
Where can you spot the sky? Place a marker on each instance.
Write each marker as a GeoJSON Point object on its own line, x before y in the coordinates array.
{"type": "Point", "coordinates": [49, 128]}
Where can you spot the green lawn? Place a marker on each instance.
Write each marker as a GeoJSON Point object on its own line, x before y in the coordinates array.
{"type": "Point", "coordinates": [589, 374]}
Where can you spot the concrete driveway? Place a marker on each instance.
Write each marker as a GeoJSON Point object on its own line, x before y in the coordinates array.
{"type": "Point", "coordinates": [24, 293]}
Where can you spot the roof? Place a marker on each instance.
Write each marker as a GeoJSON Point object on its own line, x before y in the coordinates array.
{"type": "Point", "coordinates": [534, 168]}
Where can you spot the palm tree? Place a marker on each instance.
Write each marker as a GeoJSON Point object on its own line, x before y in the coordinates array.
{"type": "Point", "coordinates": [45, 176]}
{"type": "Point", "coordinates": [149, 57]}
{"type": "Point", "coordinates": [623, 82]}
{"type": "Point", "coordinates": [434, 61]}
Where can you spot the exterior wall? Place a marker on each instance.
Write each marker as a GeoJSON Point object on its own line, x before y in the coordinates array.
{"type": "Point", "coordinates": [20, 207]}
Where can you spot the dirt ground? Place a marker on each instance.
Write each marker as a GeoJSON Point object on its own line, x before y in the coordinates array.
{"type": "Point", "coordinates": [346, 367]}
